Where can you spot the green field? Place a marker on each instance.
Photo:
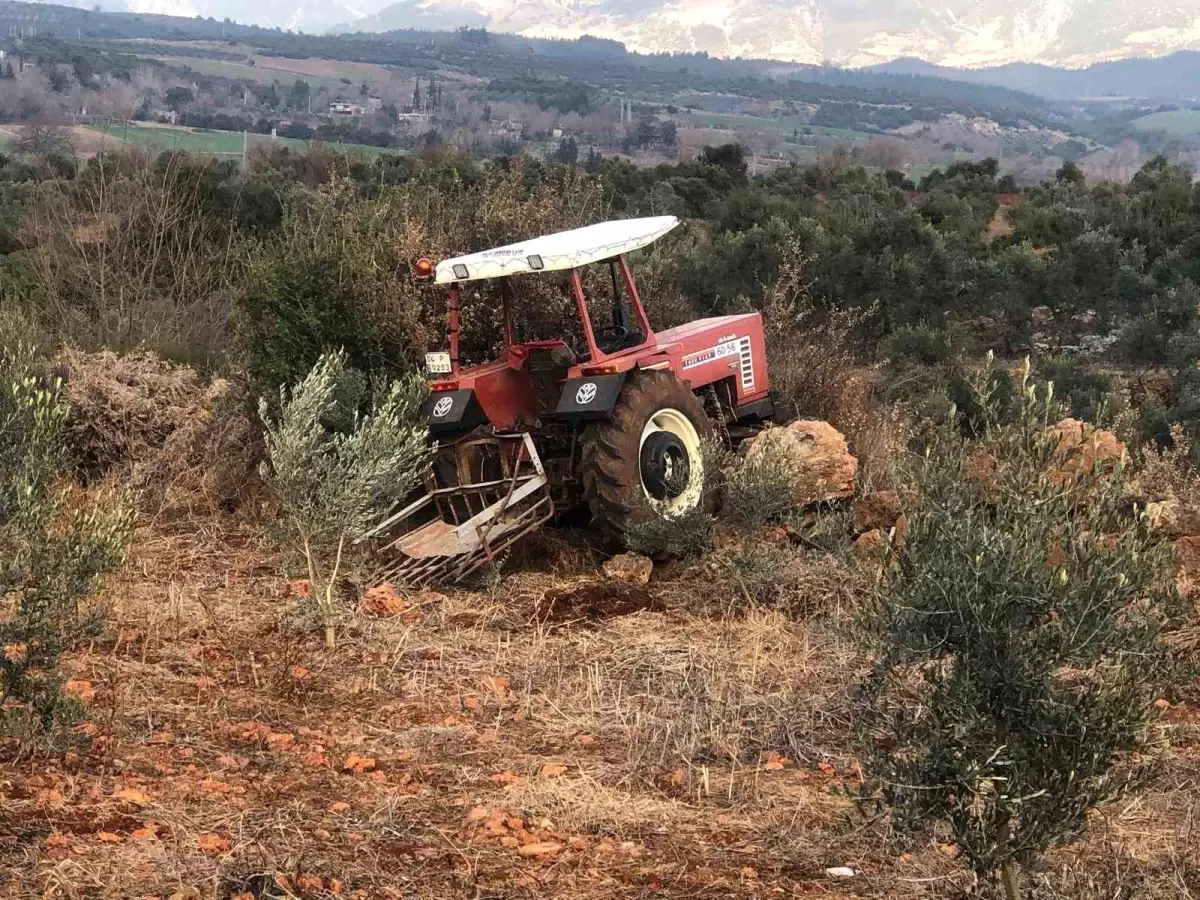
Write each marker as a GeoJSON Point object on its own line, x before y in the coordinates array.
{"type": "Point", "coordinates": [220, 68]}
{"type": "Point", "coordinates": [1178, 121]}
{"type": "Point", "coordinates": [785, 125]}
{"type": "Point", "coordinates": [216, 143]}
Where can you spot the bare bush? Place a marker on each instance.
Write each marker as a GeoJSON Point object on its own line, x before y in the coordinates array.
{"type": "Point", "coordinates": [1168, 475]}
{"type": "Point", "coordinates": [39, 139]}
{"type": "Point", "coordinates": [123, 408]}
{"type": "Point", "coordinates": [811, 350]}
{"type": "Point", "coordinates": [125, 257]}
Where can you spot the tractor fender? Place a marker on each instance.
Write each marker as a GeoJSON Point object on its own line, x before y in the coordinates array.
{"type": "Point", "coordinates": [445, 411]}
{"type": "Point", "coordinates": [589, 397]}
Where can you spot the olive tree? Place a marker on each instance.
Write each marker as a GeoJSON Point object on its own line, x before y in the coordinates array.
{"type": "Point", "coordinates": [55, 548]}
{"type": "Point", "coordinates": [336, 472]}
{"type": "Point", "coordinates": [1020, 639]}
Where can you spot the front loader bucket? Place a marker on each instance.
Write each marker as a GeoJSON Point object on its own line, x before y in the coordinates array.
{"type": "Point", "coordinates": [471, 523]}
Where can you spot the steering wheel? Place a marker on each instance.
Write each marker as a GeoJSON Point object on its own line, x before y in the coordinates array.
{"type": "Point", "coordinates": [610, 338]}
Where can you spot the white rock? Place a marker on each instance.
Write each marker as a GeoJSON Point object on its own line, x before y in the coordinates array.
{"type": "Point", "coordinates": [840, 872]}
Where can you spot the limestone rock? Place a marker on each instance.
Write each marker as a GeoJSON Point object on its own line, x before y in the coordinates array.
{"type": "Point", "coordinates": [870, 543]}
{"type": "Point", "coordinates": [383, 600]}
{"type": "Point", "coordinates": [815, 456]}
{"type": "Point", "coordinates": [1172, 518]}
{"type": "Point", "coordinates": [1084, 450]}
{"type": "Point", "coordinates": [879, 509]}
{"type": "Point", "coordinates": [981, 469]}
{"type": "Point", "coordinates": [1163, 515]}
{"type": "Point", "coordinates": [632, 568]}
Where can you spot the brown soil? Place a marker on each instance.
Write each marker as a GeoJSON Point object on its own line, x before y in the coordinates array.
{"type": "Point", "coordinates": [638, 748]}
{"type": "Point", "coordinates": [597, 601]}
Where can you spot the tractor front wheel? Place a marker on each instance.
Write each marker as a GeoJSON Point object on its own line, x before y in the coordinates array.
{"type": "Point", "coordinates": [647, 459]}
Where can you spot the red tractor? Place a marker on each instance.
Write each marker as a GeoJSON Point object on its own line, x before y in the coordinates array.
{"type": "Point", "coordinates": [617, 421]}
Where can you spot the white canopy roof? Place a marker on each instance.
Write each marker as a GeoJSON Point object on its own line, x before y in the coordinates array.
{"type": "Point", "coordinates": [565, 250]}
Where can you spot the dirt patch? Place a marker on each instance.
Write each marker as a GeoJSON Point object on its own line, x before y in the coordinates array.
{"type": "Point", "coordinates": [999, 226]}
{"type": "Point", "coordinates": [84, 141]}
{"type": "Point", "coordinates": [325, 68]}
{"type": "Point", "coordinates": [596, 602]}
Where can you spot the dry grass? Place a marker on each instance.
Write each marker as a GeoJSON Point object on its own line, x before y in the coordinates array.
{"type": "Point", "coordinates": [674, 753]}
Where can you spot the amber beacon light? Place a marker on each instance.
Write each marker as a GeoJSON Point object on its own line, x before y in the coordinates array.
{"type": "Point", "coordinates": [423, 270]}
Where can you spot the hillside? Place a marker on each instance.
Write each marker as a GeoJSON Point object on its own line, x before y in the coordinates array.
{"type": "Point", "coordinates": [1172, 77]}
{"type": "Point", "coordinates": [581, 99]}
{"type": "Point", "coordinates": [948, 32]}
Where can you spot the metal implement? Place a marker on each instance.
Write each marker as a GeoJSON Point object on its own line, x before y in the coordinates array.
{"type": "Point", "coordinates": [502, 494]}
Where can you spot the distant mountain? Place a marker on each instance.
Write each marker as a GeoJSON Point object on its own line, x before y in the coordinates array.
{"type": "Point", "coordinates": [959, 33]}
{"type": "Point", "coordinates": [1174, 77]}
{"type": "Point", "coordinates": [312, 16]}
{"type": "Point", "coordinates": [1022, 44]}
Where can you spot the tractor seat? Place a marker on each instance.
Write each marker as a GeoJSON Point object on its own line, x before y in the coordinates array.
{"type": "Point", "coordinates": [548, 367]}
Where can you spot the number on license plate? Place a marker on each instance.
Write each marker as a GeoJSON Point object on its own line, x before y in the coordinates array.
{"type": "Point", "coordinates": [437, 363]}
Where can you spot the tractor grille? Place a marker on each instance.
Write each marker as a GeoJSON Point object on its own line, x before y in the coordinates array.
{"type": "Point", "coordinates": [746, 355]}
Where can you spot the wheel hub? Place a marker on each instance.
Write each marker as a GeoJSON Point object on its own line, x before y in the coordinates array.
{"type": "Point", "coordinates": [666, 468]}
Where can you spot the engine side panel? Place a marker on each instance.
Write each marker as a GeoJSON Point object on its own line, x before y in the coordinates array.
{"type": "Point", "coordinates": [710, 350]}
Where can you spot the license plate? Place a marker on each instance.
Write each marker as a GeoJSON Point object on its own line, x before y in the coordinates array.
{"type": "Point", "coordinates": [437, 363]}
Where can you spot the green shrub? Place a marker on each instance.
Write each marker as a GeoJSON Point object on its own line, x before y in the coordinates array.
{"type": "Point", "coordinates": [1019, 649]}
{"type": "Point", "coordinates": [1090, 393]}
{"type": "Point", "coordinates": [334, 473]}
{"type": "Point", "coordinates": [924, 345]}
{"type": "Point", "coordinates": [54, 549]}
{"type": "Point", "coordinates": [757, 492]}
{"type": "Point", "coordinates": [332, 278]}
{"type": "Point", "coordinates": [973, 408]}
{"type": "Point", "coordinates": [684, 536]}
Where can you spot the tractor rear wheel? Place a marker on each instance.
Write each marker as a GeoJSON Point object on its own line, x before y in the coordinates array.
{"type": "Point", "coordinates": [647, 459]}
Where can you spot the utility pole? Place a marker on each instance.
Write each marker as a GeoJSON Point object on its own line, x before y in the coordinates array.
{"type": "Point", "coordinates": [245, 148]}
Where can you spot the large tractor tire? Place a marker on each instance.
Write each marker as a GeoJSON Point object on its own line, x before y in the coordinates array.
{"type": "Point", "coordinates": [647, 459]}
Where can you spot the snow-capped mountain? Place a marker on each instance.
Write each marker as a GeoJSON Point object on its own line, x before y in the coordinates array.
{"type": "Point", "coordinates": [962, 33]}
{"type": "Point", "coordinates": [310, 16]}
{"type": "Point", "coordinates": [843, 32]}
